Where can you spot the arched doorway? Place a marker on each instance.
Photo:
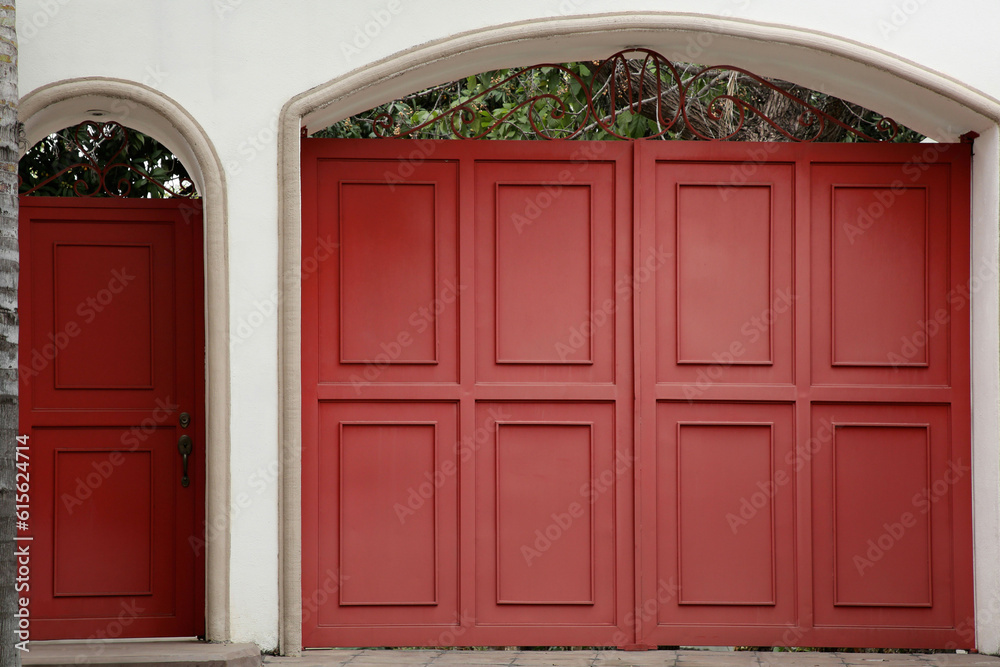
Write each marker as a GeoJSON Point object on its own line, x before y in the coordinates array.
{"type": "Point", "coordinates": [568, 38]}
{"type": "Point", "coordinates": [161, 564]}
{"type": "Point", "coordinates": [694, 267]}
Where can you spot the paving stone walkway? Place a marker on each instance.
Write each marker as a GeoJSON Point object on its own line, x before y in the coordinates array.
{"type": "Point", "coordinates": [422, 658]}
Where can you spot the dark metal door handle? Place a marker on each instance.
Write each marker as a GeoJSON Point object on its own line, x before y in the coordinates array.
{"type": "Point", "coordinates": [185, 446]}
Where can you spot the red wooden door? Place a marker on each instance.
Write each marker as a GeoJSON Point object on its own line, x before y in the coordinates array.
{"type": "Point", "coordinates": [534, 415]}
{"type": "Point", "coordinates": [110, 355]}
{"type": "Point", "coordinates": [553, 358]}
{"type": "Point", "coordinates": [717, 399]}
{"type": "Point", "coordinates": [804, 391]}
{"type": "Point", "coordinates": [468, 394]}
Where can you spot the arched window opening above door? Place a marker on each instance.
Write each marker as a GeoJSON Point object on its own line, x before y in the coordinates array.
{"type": "Point", "coordinates": [635, 94]}
{"type": "Point", "coordinates": [103, 159]}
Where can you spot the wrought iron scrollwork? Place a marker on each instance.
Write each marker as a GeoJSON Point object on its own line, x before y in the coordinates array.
{"type": "Point", "coordinates": [709, 103]}
{"type": "Point", "coordinates": [112, 176]}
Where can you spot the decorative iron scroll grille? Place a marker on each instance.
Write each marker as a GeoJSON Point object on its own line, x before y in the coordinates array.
{"type": "Point", "coordinates": [639, 93]}
{"type": "Point", "coordinates": [99, 165]}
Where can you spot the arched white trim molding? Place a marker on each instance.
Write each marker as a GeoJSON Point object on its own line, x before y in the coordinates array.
{"type": "Point", "coordinates": [64, 103]}
{"type": "Point", "coordinates": [916, 96]}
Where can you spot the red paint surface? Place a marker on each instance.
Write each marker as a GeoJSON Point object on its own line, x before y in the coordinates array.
{"type": "Point", "coordinates": [110, 353]}
{"type": "Point", "coordinates": [661, 402]}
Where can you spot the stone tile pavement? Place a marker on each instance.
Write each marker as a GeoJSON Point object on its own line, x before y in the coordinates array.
{"type": "Point", "coordinates": [438, 658]}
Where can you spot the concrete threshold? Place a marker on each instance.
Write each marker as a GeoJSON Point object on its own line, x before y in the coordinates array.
{"type": "Point", "coordinates": [191, 653]}
{"type": "Point", "coordinates": [517, 658]}
{"type": "Point", "coordinates": [173, 653]}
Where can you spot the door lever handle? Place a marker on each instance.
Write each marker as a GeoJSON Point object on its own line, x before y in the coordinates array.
{"type": "Point", "coordinates": [185, 446]}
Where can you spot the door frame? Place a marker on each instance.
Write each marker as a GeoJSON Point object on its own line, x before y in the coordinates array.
{"type": "Point", "coordinates": [66, 103]}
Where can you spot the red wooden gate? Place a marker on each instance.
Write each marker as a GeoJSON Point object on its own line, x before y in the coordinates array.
{"type": "Point", "coordinates": [111, 354]}
{"type": "Point", "coordinates": [650, 393]}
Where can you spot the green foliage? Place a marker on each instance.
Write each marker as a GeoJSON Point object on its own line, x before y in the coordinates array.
{"type": "Point", "coordinates": [132, 164]}
{"type": "Point", "coordinates": [551, 102]}
{"type": "Point", "coordinates": [498, 97]}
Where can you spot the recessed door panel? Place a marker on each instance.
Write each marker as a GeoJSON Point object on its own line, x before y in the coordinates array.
{"type": "Point", "coordinates": [883, 291]}
{"type": "Point", "coordinates": [104, 322]}
{"type": "Point", "coordinates": [724, 295]}
{"type": "Point", "coordinates": [388, 477]}
{"type": "Point", "coordinates": [545, 508]}
{"type": "Point", "coordinates": [546, 307]}
{"type": "Point", "coordinates": [884, 488]}
{"type": "Point", "coordinates": [383, 262]}
{"type": "Point", "coordinates": [725, 535]}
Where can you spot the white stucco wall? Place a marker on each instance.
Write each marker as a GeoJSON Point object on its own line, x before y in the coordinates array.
{"type": "Point", "coordinates": [234, 64]}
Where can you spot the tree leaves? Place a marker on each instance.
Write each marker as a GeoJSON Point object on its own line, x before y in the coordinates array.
{"type": "Point", "coordinates": [556, 102]}
{"type": "Point", "coordinates": [111, 166]}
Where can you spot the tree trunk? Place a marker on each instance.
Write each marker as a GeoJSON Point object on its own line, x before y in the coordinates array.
{"type": "Point", "coordinates": [9, 652]}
